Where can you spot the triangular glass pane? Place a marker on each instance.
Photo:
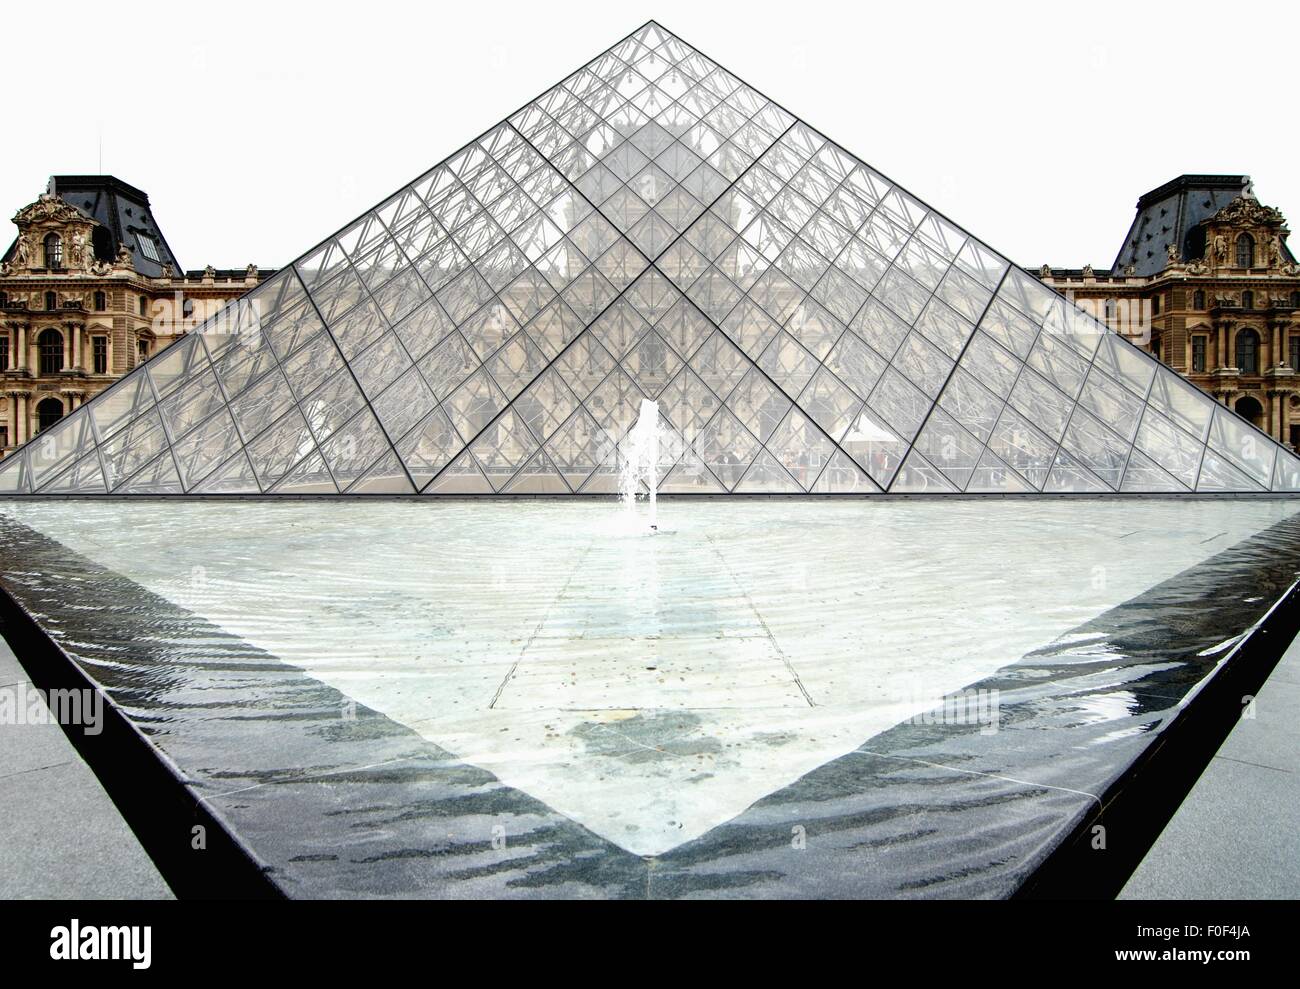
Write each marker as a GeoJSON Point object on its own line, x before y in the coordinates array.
{"type": "Point", "coordinates": [1145, 475]}
{"type": "Point", "coordinates": [1247, 448]}
{"type": "Point", "coordinates": [726, 447]}
{"type": "Point", "coordinates": [157, 477]}
{"type": "Point", "coordinates": [309, 477]}
{"type": "Point", "coordinates": [992, 476]}
{"type": "Point", "coordinates": [947, 446]}
{"type": "Point", "coordinates": [802, 448]}
{"type": "Point", "coordinates": [83, 477]}
{"type": "Point", "coordinates": [1218, 474]}
{"type": "Point", "coordinates": [281, 447]}
{"type": "Point", "coordinates": [691, 476]}
{"type": "Point", "coordinates": [842, 476]}
{"type": "Point", "coordinates": [385, 477]}
{"type": "Point", "coordinates": [538, 476]}
{"type": "Point", "coordinates": [1174, 450]}
{"type": "Point", "coordinates": [1286, 473]}
{"type": "Point", "coordinates": [1182, 402]}
{"type": "Point", "coordinates": [767, 476]}
{"type": "Point", "coordinates": [605, 479]}
{"type": "Point", "coordinates": [117, 405]}
{"type": "Point", "coordinates": [578, 447]}
{"type": "Point", "coordinates": [918, 477]}
{"type": "Point", "coordinates": [875, 446]}
{"type": "Point", "coordinates": [53, 449]}
{"type": "Point", "coordinates": [1097, 447]}
{"type": "Point", "coordinates": [502, 448]}
{"type": "Point", "coordinates": [462, 476]}
{"type": "Point", "coordinates": [971, 404]}
{"type": "Point", "coordinates": [14, 474]}
{"type": "Point", "coordinates": [429, 447]}
{"type": "Point", "coordinates": [205, 447]}
{"type": "Point", "coordinates": [131, 448]}
{"type": "Point", "coordinates": [1069, 476]}
{"type": "Point", "coordinates": [235, 476]}
{"type": "Point", "coordinates": [1018, 444]}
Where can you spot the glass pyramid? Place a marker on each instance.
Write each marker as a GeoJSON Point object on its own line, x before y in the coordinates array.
{"type": "Point", "coordinates": [651, 227]}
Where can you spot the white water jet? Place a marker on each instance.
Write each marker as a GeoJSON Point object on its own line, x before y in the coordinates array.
{"type": "Point", "coordinates": [641, 460]}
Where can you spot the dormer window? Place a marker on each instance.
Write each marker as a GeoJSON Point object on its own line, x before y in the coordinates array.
{"type": "Point", "coordinates": [53, 251]}
{"type": "Point", "coordinates": [148, 247]}
{"type": "Point", "coordinates": [1245, 251]}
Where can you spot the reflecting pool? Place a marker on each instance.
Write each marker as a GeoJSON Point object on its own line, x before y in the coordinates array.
{"type": "Point", "coordinates": [647, 687]}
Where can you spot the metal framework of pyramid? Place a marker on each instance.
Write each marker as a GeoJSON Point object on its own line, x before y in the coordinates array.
{"type": "Point", "coordinates": [651, 227]}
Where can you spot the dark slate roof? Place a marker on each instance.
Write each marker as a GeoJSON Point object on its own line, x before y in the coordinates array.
{"type": "Point", "coordinates": [1172, 214]}
{"type": "Point", "coordinates": [122, 210]}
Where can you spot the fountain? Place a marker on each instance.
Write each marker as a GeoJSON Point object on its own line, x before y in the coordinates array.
{"type": "Point", "coordinates": [641, 460]}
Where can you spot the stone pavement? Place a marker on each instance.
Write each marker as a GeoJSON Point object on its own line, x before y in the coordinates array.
{"type": "Point", "coordinates": [1236, 834]}
{"type": "Point", "coordinates": [61, 835]}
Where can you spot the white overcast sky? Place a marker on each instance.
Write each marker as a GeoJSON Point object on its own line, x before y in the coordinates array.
{"type": "Point", "coordinates": [259, 130]}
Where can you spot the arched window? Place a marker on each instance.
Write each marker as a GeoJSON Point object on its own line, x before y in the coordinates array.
{"type": "Point", "coordinates": [1198, 299]}
{"type": "Point", "coordinates": [101, 301]}
{"type": "Point", "coordinates": [1245, 251]}
{"type": "Point", "coordinates": [51, 301]}
{"type": "Point", "coordinates": [48, 412]}
{"type": "Point", "coordinates": [50, 344]}
{"type": "Point", "coordinates": [1248, 299]}
{"type": "Point", "coordinates": [1250, 410]}
{"type": "Point", "coordinates": [53, 251]}
{"type": "Point", "coordinates": [1248, 351]}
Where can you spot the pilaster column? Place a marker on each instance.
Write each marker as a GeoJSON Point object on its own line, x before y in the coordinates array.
{"type": "Point", "coordinates": [1223, 346]}
{"type": "Point", "coordinates": [20, 348]}
{"type": "Point", "coordinates": [20, 415]}
{"type": "Point", "coordinates": [76, 346]}
{"type": "Point", "coordinates": [12, 417]}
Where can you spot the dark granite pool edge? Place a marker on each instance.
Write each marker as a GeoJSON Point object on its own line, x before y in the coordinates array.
{"type": "Point", "coordinates": [146, 786]}
{"type": "Point", "coordinates": [1138, 805]}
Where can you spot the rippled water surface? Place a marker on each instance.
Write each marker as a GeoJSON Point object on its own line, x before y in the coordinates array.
{"type": "Point", "coordinates": [648, 686]}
